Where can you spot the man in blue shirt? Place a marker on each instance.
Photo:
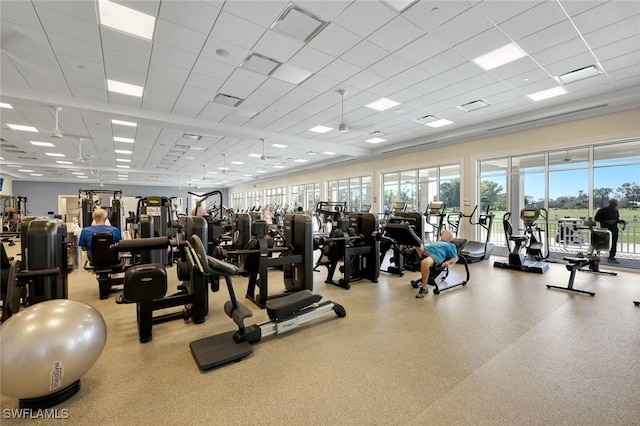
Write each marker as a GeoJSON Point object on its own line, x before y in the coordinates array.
{"type": "Point", "coordinates": [86, 236]}
{"type": "Point", "coordinates": [443, 253]}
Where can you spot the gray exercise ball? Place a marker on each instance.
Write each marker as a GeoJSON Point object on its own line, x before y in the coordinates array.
{"type": "Point", "coordinates": [49, 346]}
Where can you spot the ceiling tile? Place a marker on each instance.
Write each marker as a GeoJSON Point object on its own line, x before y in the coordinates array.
{"type": "Point", "coordinates": [310, 59]}
{"type": "Point", "coordinates": [233, 55]}
{"type": "Point", "coordinates": [619, 31]}
{"type": "Point", "coordinates": [328, 10]}
{"type": "Point", "coordinates": [174, 57]}
{"type": "Point", "coordinates": [442, 62]}
{"type": "Point", "coordinates": [364, 17]}
{"type": "Point", "coordinates": [334, 40]}
{"type": "Point", "coordinates": [197, 16]}
{"type": "Point", "coordinates": [167, 72]}
{"type": "Point", "coordinates": [125, 75]}
{"type": "Point", "coordinates": [160, 94]}
{"type": "Point", "coordinates": [500, 11]}
{"type": "Point", "coordinates": [201, 81]}
{"type": "Point", "coordinates": [212, 68]}
{"type": "Point", "coordinates": [621, 47]}
{"type": "Point", "coordinates": [464, 26]}
{"type": "Point", "coordinates": [19, 12]}
{"type": "Point", "coordinates": [137, 64]}
{"type": "Point", "coordinates": [262, 13]}
{"type": "Point", "coordinates": [76, 49]}
{"type": "Point", "coordinates": [520, 66]}
{"type": "Point", "coordinates": [235, 30]}
{"type": "Point", "coordinates": [179, 37]}
{"type": "Point", "coordinates": [560, 51]}
{"type": "Point", "coordinates": [396, 34]}
{"type": "Point", "coordinates": [69, 27]}
{"type": "Point", "coordinates": [606, 14]}
{"type": "Point", "coordinates": [533, 20]}
{"type": "Point", "coordinates": [364, 80]}
{"type": "Point", "coordinates": [484, 42]}
{"type": "Point", "coordinates": [421, 49]}
{"type": "Point", "coordinates": [429, 15]}
{"type": "Point", "coordinates": [386, 89]}
{"type": "Point", "coordinates": [548, 37]}
{"type": "Point", "coordinates": [462, 72]}
{"type": "Point", "coordinates": [411, 76]}
{"type": "Point", "coordinates": [389, 66]}
{"type": "Point", "coordinates": [339, 70]}
{"type": "Point", "coordinates": [242, 82]}
{"type": "Point", "coordinates": [121, 42]}
{"type": "Point", "coordinates": [364, 54]}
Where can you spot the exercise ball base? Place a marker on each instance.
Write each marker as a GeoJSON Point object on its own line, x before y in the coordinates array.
{"type": "Point", "coordinates": [50, 400]}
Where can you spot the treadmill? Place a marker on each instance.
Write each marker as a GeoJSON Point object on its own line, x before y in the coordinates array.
{"type": "Point", "coordinates": [476, 251]}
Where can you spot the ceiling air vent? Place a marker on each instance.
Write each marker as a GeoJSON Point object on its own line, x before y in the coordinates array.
{"type": "Point", "coordinates": [474, 105]}
{"type": "Point", "coordinates": [377, 134]}
{"type": "Point", "coordinates": [299, 23]}
{"type": "Point", "coordinates": [426, 119]}
{"type": "Point", "coordinates": [260, 64]}
{"type": "Point", "coordinates": [227, 100]}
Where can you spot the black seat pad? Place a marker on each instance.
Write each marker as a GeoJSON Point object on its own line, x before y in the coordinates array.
{"type": "Point", "coordinates": [284, 306]}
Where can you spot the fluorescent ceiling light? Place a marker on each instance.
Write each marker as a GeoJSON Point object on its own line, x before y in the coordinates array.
{"type": "Point", "coordinates": [123, 160]}
{"type": "Point", "coordinates": [382, 104]}
{"type": "Point", "coordinates": [123, 151]}
{"type": "Point", "coordinates": [125, 123]}
{"type": "Point", "coordinates": [126, 140]}
{"type": "Point", "coordinates": [247, 175]}
{"type": "Point", "coordinates": [125, 88]}
{"type": "Point", "coordinates": [298, 23]}
{"type": "Point", "coordinates": [237, 162]}
{"type": "Point", "coordinates": [375, 140]}
{"type": "Point", "coordinates": [41, 143]}
{"type": "Point", "coordinates": [5, 105]}
{"type": "Point", "coordinates": [579, 74]}
{"type": "Point", "coordinates": [1, 158]}
{"type": "Point", "coordinates": [212, 173]}
{"type": "Point", "coordinates": [300, 160]}
{"type": "Point", "coordinates": [255, 155]}
{"type": "Point", "coordinates": [500, 56]}
{"type": "Point", "coordinates": [77, 173]}
{"type": "Point", "coordinates": [82, 177]}
{"type": "Point", "coordinates": [36, 174]}
{"type": "Point", "coordinates": [22, 128]}
{"type": "Point", "coordinates": [192, 136]}
{"type": "Point", "coordinates": [189, 158]}
{"type": "Point", "coordinates": [223, 168]}
{"type": "Point", "coordinates": [25, 171]}
{"type": "Point", "coordinates": [546, 94]}
{"type": "Point", "coordinates": [122, 167]}
{"type": "Point", "coordinates": [64, 162]}
{"type": "Point", "coordinates": [130, 21]}
{"type": "Point", "coordinates": [329, 153]}
{"type": "Point", "coordinates": [320, 129]}
{"type": "Point", "coordinates": [261, 171]}
{"type": "Point", "coordinates": [278, 167]}
{"type": "Point", "coordinates": [279, 145]}
{"type": "Point", "coordinates": [123, 178]}
{"type": "Point", "coordinates": [54, 154]}
{"type": "Point", "coordinates": [291, 74]}
{"type": "Point", "coordinates": [439, 123]}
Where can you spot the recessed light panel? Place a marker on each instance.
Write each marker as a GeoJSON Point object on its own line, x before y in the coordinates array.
{"type": "Point", "coordinates": [291, 74]}
{"type": "Point", "coordinates": [5, 105]}
{"type": "Point", "coordinates": [279, 145]}
{"type": "Point", "coordinates": [124, 123]}
{"type": "Point", "coordinates": [127, 20]}
{"type": "Point", "coordinates": [54, 154]}
{"type": "Point", "coordinates": [440, 123]}
{"type": "Point", "coordinates": [546, 94]}
{"type": "Point", "coordinates": [500, 56]}
{"type": "Point", "coordinates": [382, 104]}
{"type": "Point", "coordinates": [375, 140]}
{"type": "Point", "coordinates": [125, 140]}
{"type": "Point", "coordinates": [125, 88]}
{"type": "Point", "coordinates": [41, 143]}
{"type": "Point", "coordinates": [320, 129]}
{"type": "Point", "coordinates": [22, 128]}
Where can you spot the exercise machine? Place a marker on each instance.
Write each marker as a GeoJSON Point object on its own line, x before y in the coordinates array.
{"type": "Point", "coordinates": [600, 239]}
{"type": "Point", "coordinates": [285, 313]}
{"type": "Point", "coordinates": [476, 251]}
{"type": "Point", "coordinates": [294, 256]}
{"type": "Point", "coordinates": [89, 199]}
{"type": "Point", "coordinates": [534, 242]}
{"type": "Point", "coordinates": [146, 286]}
{"type": "Point", "coordinates": [389, 240]}
{"type": "Point", "coordinates": [42, 273]}
{"type": "Point", "coordinates": [434, 217]}
{"type": "Point", "coordinates": [439, 276]}
{"type": "Point", "coordinates": [105, 263]}
{"type": "Point", "coordinates": [359, 251]}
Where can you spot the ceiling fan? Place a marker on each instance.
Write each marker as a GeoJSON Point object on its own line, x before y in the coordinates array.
{"type": "Point", "coordinates": [342, 127]}
{"type": "Point", "coordinates": [265, 157]}
{"type": "Point", "coordinates": [80, 158]}
{"type": "Point", "coordinates": [58, 133]}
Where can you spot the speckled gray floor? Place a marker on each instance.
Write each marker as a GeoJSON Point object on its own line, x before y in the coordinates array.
{"type": "Point", "coordinates": [503, 350]}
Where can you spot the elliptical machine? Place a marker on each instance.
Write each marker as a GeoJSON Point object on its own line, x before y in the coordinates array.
{"type": "Point", "coordinates": [534, 242]}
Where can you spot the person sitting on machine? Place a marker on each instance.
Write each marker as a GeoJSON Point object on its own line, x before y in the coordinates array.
{"type": "Point", "coordinates": [99, 218]}
{"type": "Point", "coordinates": [443, 253]}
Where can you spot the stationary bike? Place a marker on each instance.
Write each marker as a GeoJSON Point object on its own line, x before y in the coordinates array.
{"type": "Point", "coordinates": [600, 240]}
{"type": "Point", "coordinates": [534, 242]}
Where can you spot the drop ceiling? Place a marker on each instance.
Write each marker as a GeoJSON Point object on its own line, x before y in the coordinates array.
{"type": "Point", "coordinates": [223, 80]}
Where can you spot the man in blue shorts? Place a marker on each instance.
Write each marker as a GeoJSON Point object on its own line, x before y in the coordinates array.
{"type": "Point", "coordinates": [442, 252]}
{"type": "Point", "coordinates": [86, 236]}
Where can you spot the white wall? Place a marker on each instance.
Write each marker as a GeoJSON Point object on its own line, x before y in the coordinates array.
{"type": "Point", "coordinates": [606, 128]}
{"type": "Point", "coordinates": [7, 186]}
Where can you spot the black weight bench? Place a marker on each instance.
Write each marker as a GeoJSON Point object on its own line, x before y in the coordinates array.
{"type": "Point", "coordinates": [438, 274]}
{"type": "Point", "coordinates": [105, 263]}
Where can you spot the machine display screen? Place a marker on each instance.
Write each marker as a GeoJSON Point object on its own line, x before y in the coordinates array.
{"type": "Point", "coordinates": [529, 213]}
